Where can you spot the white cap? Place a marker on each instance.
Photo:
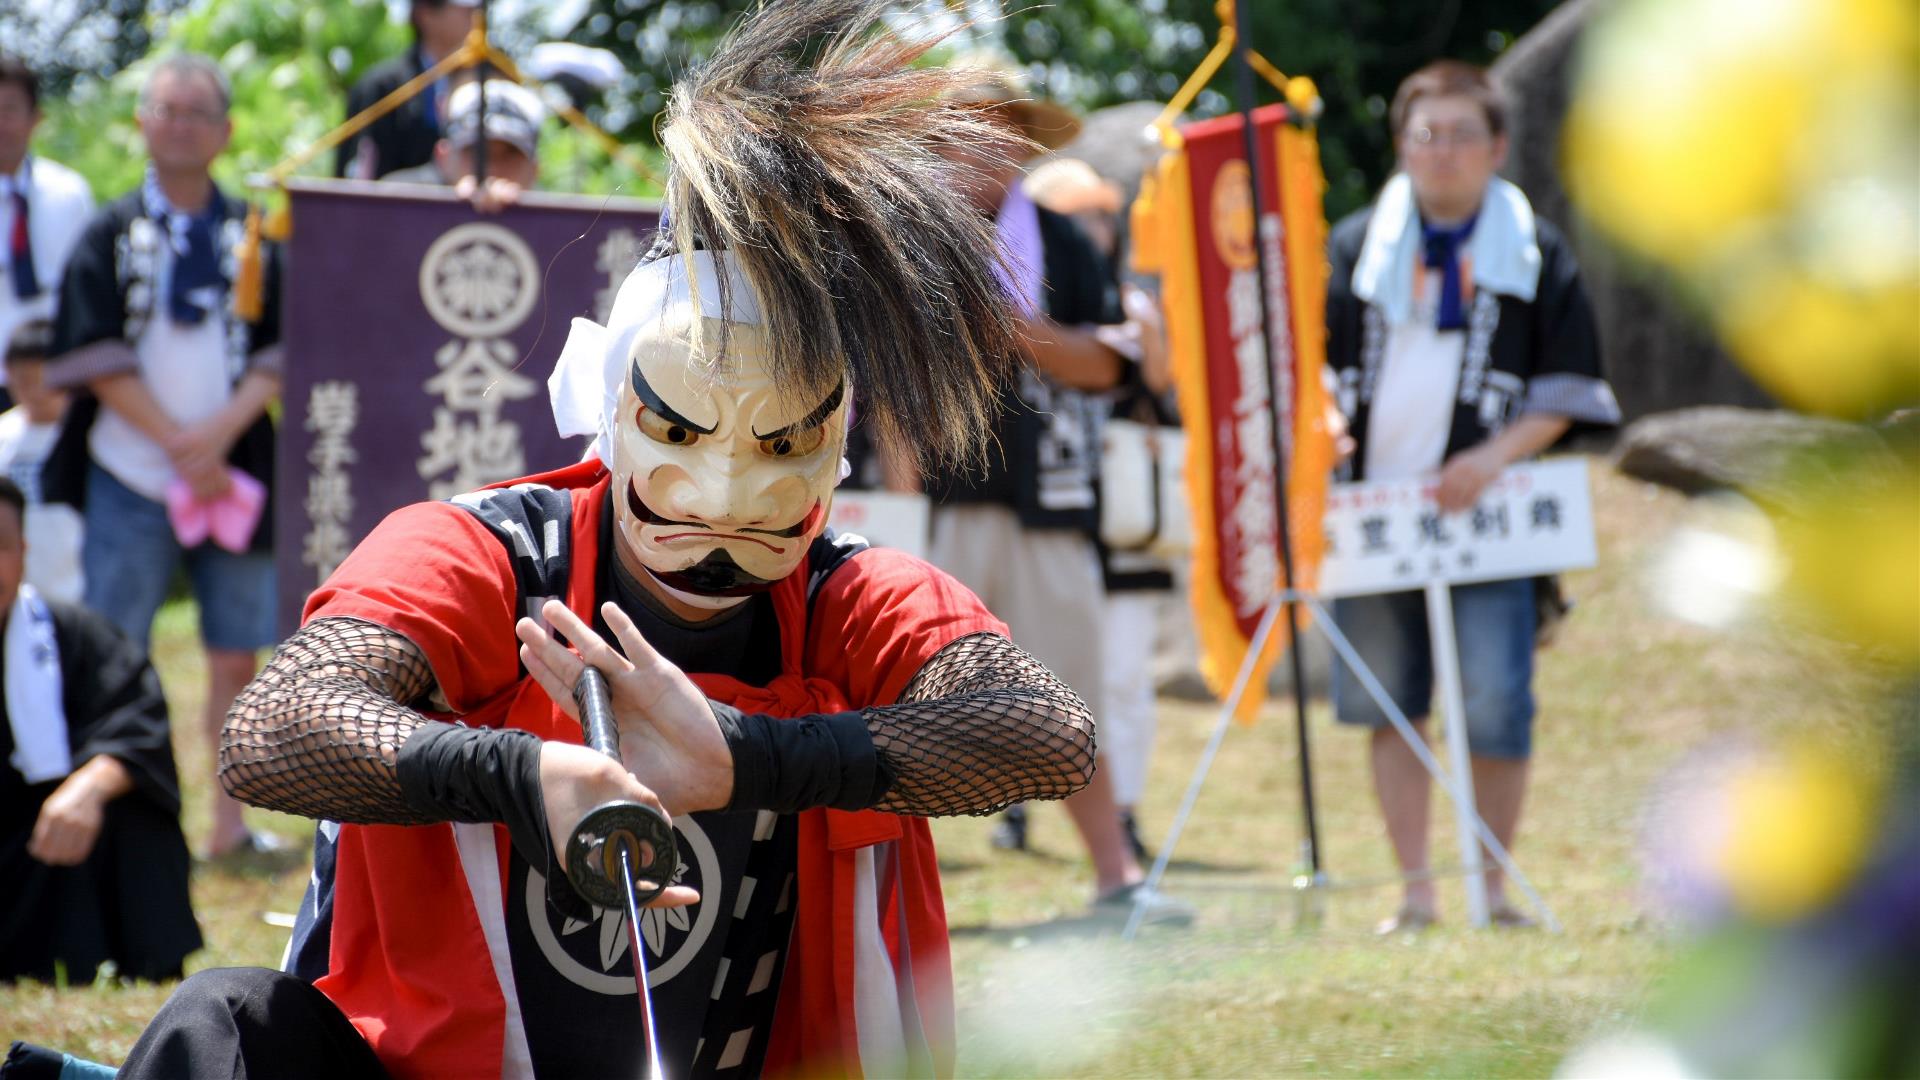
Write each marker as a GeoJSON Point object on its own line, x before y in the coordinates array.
{"type": "Point", "coordinates": [514, 115]}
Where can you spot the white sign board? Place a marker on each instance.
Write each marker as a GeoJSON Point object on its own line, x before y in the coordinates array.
{"type": "Point", "coordinates": [883, 518]}
{"type": "Point", "coordinates": [1390, 536]}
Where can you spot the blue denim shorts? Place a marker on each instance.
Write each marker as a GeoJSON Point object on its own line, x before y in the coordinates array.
{"type": "Point", "coordinates": [129, 555]}
{"type": "Point", "coordinates": [1494, 624]}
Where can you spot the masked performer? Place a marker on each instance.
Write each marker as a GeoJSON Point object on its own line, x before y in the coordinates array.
{"type": "Point", "coordinates": [797, 701]}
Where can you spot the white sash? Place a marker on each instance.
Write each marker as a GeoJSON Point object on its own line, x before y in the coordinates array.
{"type": "Point", "coordinates": [34, 709]}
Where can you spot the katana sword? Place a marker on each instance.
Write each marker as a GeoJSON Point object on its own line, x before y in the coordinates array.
{"type": "Point", "coordinates": [654, 1072]}
{"type": "Point", "coordinates": [620, 849]}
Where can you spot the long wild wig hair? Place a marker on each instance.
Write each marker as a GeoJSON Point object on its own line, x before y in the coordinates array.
{"type": "Point", "coordinates": [808, 148]}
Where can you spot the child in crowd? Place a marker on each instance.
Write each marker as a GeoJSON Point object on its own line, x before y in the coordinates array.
{"type": "Point", "coordinates": [27, 434]}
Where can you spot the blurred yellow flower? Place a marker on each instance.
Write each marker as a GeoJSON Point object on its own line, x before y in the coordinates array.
{"type": "Point", "coordinates": [1853, 557]}
{"type": "Point", "coordinates": [1764, 150]}
{"type": "Point", "coordinates": [1822, 347]}
{"type": "Point", "coordinates": [1689, 118]}
{"type": "Point", "coordinates": [1799, 830]}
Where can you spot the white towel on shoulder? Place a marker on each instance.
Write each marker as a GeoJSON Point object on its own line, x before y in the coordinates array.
{"type": "Point", "coordinates": [1504, 249]}
{"type": "Point", "coordinates": [34, 691]}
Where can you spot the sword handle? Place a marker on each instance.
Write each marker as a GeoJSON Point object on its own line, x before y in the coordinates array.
{"type": "Point", "coordinates": [595, 844]}
{"type": "Point", "coordinates": [596, 713]}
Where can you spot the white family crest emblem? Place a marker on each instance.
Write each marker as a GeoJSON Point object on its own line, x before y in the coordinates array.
{"type": "Point", "coordinates": [673, 936]}
{"type": "Point", "coordinates": [479, 280]}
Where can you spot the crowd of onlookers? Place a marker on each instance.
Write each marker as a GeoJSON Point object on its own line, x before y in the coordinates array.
{"type": "Point", "coordinates": [138, 444]}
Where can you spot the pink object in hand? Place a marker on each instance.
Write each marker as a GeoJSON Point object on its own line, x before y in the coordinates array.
{"type": "Point", "coordinates": [230, 519]}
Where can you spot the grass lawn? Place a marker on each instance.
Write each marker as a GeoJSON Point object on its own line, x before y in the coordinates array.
{"type": "Point", "coordinates": [1248, 991]}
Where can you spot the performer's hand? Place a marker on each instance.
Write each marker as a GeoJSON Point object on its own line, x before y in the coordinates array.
{"type": "Point", "coordinates": [668, 736]}
{"type": "Point", "coordinates": [574, 780]}
{"type": "Point", "coordinates": [69, 822]}
{"type": "Point", "coordinates": [1467, 474]}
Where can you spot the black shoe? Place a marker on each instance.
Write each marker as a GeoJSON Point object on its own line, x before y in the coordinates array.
{"type": "Point", "coordinates": [1132, 829]}
{"type": "Point", "coordinates": [1011, 833]}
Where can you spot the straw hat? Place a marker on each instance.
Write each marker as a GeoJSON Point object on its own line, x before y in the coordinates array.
{"type": "Point", "coordinates": [1070, 186]}
{"type": "Point", "coordinates": [1002, 86]}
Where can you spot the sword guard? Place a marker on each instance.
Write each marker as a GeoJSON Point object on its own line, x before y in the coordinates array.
{"type": "Point", "coordinates": [594, 846]}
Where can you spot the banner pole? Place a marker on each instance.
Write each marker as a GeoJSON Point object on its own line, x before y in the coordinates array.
{"type": "Point", "coordinates": [1244, 92]}
{"type": "Point", "coordinates": [1466, 813]}
{"type": "Point", "coordinates": [1144, 897]}
{"type": "Point", "coordinates": [480, 144]}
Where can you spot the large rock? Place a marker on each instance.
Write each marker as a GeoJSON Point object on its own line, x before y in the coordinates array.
{"type": "Point", "coordinates": [1767, 455]}
{"type": "Point", "coordinates": [1658, 353]}
{"type": "Point", "coordinates": [1117, 143]}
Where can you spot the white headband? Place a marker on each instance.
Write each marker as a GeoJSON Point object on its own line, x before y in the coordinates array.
{"type": "Point", "coordinates": [585, 385]}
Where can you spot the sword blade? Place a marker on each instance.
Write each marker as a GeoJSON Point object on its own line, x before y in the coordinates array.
{"type": "Point", "coordinates": [640, 968]}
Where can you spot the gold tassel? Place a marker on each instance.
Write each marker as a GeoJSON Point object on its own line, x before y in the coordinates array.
{"type": "Point", "coordinates": [248, 284]}
{"type": "Point", "coordinates": [279, 226]}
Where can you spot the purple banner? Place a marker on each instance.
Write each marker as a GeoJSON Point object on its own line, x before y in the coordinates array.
{"type": "Point", "coordinates": [419, 335]}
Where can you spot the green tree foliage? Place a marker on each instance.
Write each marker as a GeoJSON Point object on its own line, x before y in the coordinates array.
{"type": "Point", "coordinates": [70, 42]}
{"type": "Point", "coordinates": [290, 65]}
{"type": "Point", "coordinates": [1092, 53]}
{"type": "Point", "coordinates": [292, 62]}
{"type": "Point", "coordinates": [1102, 52]}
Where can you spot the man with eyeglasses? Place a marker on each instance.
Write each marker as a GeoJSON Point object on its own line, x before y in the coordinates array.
{"type": "Point", "coordinates": [169, 456]}
{"type": "Point", "coordinates": [43, 207]}
{"type": "Point", "coordinates": [1463, 342]}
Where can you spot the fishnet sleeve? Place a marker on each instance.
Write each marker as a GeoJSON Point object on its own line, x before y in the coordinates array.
{"type": "Point", "coordinates": [982, 726]}
{"type": "Point", "coordinates": [318, 732]}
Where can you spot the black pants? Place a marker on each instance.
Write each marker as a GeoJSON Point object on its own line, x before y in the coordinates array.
{"type": "Point", "coordinates": [250, 1023]}
{"type": "Point", "coordinates": [127, 902]}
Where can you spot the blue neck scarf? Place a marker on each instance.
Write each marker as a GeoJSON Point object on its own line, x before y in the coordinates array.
{"type": "Point", "coordinates": [1443, 254]}
{"type": "Point", "coordinates": [194, 241]}
{"type": "Point", "coordinates": [26, 284]}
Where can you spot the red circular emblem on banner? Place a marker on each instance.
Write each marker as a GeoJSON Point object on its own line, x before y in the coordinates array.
{"type": "Point", "coordinates": [1232, 205]}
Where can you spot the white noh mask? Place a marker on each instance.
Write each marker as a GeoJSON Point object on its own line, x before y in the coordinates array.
{"type": "Point", "coordinates": [720, 484]}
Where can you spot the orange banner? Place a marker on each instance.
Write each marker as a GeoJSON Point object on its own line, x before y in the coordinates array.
{"type": "Point", "coordinates": [1194, 225]}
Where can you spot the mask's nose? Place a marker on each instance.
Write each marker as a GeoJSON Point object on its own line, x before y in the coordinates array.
{"type": "Point", "coordinates": [725, 498]}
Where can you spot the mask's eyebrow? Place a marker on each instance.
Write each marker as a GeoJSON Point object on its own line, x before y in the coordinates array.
{"type": "Point", "coordinates": [813, 419]}
{"type": "Point", "coordinates": [654, 402]}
